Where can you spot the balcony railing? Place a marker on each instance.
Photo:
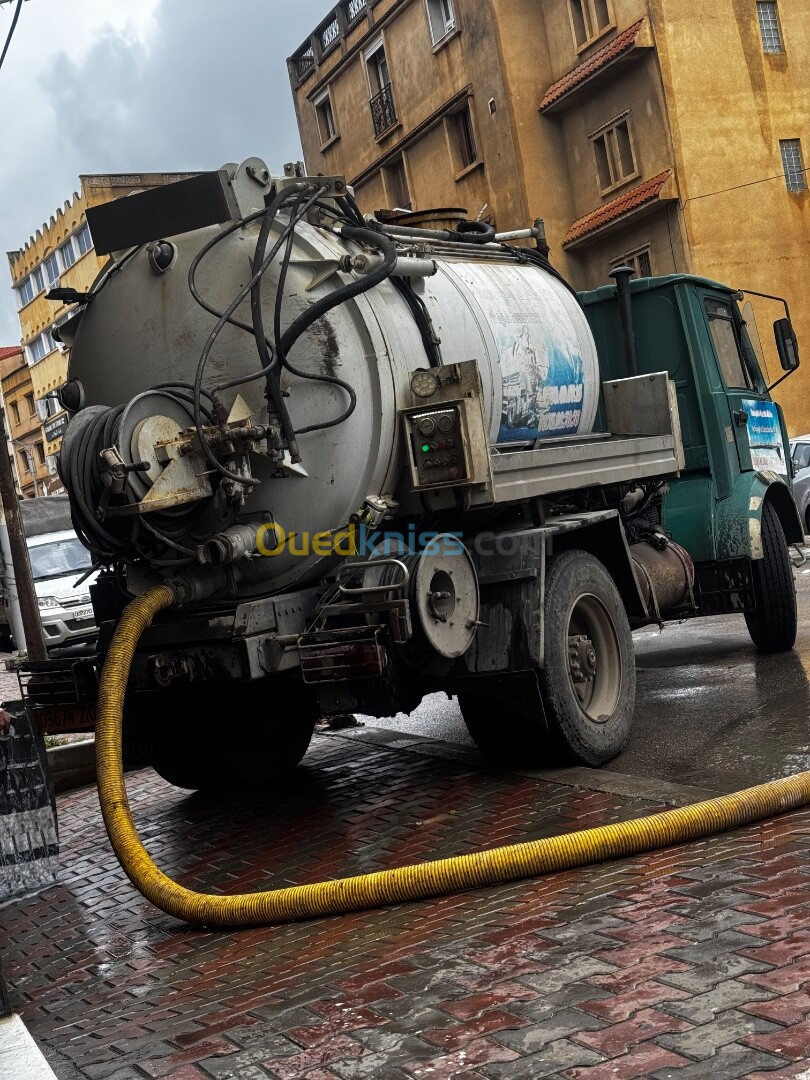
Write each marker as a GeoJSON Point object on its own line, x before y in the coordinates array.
{"type": "Point", "coordinates": [355, 8]}
{"type": "Point", "coordinates": [304, 62]}
{"type": "Point", "coordinates": [383, 111]}
{"type": "Point", "coordinates": [329, 35]}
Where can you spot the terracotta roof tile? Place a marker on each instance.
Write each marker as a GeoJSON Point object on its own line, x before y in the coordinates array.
{"type": "Point", "coordinates": [614, 48]}
{"type": "Point", "coordinates": [7, 351]}
{"type": "Point", "coordinates": [624, 204]}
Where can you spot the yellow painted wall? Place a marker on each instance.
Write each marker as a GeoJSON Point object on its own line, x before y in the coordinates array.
{"type": "Point", "coordinates": [729, 105]}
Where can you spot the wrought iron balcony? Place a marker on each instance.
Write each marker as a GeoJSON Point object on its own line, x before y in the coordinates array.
{"type": "Point", "coordinates": [383, 111]}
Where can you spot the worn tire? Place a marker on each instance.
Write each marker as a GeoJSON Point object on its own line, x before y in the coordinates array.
{"type": "Point", "coordinates": [581, 595]}
{"type": "Point", "coordinates": [504, 717]}
{"type": "Point", "coordinates": [537, 720]}
{"type": "Point", "coordinates": [774, 624]}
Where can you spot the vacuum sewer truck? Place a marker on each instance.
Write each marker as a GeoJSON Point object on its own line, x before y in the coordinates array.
{"type": "Point", "coordinates": [377, 461]}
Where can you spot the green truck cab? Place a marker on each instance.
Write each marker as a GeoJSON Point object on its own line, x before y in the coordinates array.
{"type": "Point", "coordinates": [735, 487]}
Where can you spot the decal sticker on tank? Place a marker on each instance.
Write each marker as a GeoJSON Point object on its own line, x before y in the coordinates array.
{"type": "Point", "coordinates": [765, 436]}
{"type": "Point", "coordinates": [542, 369]}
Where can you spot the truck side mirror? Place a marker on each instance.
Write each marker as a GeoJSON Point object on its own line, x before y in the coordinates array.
{"type": "Point", "coordinates": [787, 344]}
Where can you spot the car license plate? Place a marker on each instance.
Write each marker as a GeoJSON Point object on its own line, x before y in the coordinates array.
{"type": "Point", "coordinates": [82, 614]}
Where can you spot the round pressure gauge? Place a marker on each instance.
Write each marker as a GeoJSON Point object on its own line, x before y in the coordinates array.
{"type": "Point", "coordinates": [424, 384]}
{"type": "Point", "coordinates": [445, 423]}
{"type": "Point", "coordinates": [427, 426]}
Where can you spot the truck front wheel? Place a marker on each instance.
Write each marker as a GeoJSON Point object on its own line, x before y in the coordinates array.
{"type": "Point", "coordinates": [579, 705]}
{"type": "Point", "coordinates": [774, 623]}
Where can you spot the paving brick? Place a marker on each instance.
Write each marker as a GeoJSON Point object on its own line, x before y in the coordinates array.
{"type": "Point", "coordinates": [641, 1061]}
{"type": "Point", "coordinates": [297, 1066]}
{"type": "Point", "coordinates": [705, 1040]}
{"type": "Point", "coordinates": [618, 1038]}
{"type": "Point", "coordinates": [731, 994]}
{"type": "Point", "coordinates": [480, 1052]}
{"type": "Point", "coordinates": [788, 1009]}
{"type": "Point", "coordinates": [560, 1025]}
{"type": "Point", "coordinates": [729, 1063]}
{"type": "Point", "coordinates": [791, 1042]}
{"type": "Point", "coordinates": [505, 993]}
{"type": "Point", "coordinates": [552, 1060]}
{"type": "Point", "coordinates": [616, 1007]}
{"type": "Point", "coordinates": [454, 1036]}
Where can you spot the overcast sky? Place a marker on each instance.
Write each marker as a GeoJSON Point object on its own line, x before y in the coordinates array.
{"type": "Point", "coordinates": [137, 86]}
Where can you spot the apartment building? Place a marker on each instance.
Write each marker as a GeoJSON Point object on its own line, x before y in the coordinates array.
{"type": "Point", "coordinates": [61, 254]}
{"type": "Point", "coordinates": [663, 133]}
{"type": "Point", "coordinates": [23, 426]}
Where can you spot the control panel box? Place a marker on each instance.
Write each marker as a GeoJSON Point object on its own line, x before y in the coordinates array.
{"type": "Point", "coordinates": [438, 446]}
{"type": "Point", "coordinates": [445, 431]}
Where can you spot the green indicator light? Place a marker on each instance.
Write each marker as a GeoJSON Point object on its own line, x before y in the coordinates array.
{"type": "Point", "coordinates": [425, 449]}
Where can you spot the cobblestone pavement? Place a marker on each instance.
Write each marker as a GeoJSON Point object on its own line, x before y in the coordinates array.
{"type": "Point", "coordinates": [690, 962]}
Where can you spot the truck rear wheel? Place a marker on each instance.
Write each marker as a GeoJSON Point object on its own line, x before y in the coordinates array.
{"type": "Point", "coordinates": [225, 735]}
{"type": "Point", "coordinates": [579, 708]}
{"type": "Point", "coordinates": [588, 679]}
{"type": "Point", "coordinates": [773, 625]}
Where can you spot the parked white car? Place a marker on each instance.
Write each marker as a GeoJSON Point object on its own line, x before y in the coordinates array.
{"type": "Point", "coordinates": [60, 563]}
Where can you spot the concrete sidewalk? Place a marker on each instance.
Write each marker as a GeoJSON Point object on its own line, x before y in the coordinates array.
{"type": "Point", "coordinates": [690, 962]}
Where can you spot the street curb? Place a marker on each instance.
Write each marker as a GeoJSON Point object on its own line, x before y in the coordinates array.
{"type": "Point", "coordinates": [20, 1057]}
{"type": "Point", "coordinates": [72, 766]}
{"type": "Point", "coordinates": [582, 778]}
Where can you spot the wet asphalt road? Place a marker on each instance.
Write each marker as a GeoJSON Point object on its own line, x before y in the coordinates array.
{"type": "Point", "coordinates": [711, 712]}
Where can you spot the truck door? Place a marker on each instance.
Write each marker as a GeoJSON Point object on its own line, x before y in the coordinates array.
{"type": "Point", "coordinates": [755, 420]}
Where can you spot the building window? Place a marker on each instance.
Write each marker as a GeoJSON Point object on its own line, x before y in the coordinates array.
{"type": "Point", "coordinates": [793, 164]}
{"type": "Point", "coordinates": [40, 451]}
{"type": "Point", "coordinates": [84, 240]}
{"type": "Point", "coordinates": [51, 267]}
{"type": "Point", "coordinates": [41, 345]}
{"type": "Point", "coordinates": [442, 19]}
{"type": "Point", "coordinates": [639, 259]}
{"type": "Point", "coordinates": [615, 155]}
{"type": "Point", "coordinates": [39, 281]}
{"type": "Point", "coordinates": [15, 412]}
{"type": "Point", "coordinates": [769, 27]}
{"type": "Point", "coordinates": [36, 349]}
{"type": "Point", "coordinates": [32, 408]}
{"type": "Point", "coordinates": [327, 127]}
{"type": "Point", "coordinates": [462, 139]}
{"type": "Point", "coordinates": [590, 19]}
{"type": "Point", "coordinates": [25, 463]}
{"type": "Point", "coordinates": [25, 292]}
{"type": "Point", "coordinates": [67, 254]}
{"type": "Point", "coordinates": [396, 185]}
{"type": "Point", "coordinates": [383, 112]}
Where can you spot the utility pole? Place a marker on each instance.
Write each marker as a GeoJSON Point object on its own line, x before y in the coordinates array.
{"type": "Point", "coordinates": [29, 608]}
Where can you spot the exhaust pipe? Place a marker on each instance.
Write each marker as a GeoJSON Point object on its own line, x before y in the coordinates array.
{"type": "Point", "coordinates": [622, 275]}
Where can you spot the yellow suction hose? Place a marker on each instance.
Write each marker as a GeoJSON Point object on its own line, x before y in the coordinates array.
{"type": "Point", "coordinates": [388, 886]}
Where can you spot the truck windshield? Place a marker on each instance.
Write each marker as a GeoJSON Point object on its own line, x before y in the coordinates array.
{"type": "Point", "coordinates": [58, 559]}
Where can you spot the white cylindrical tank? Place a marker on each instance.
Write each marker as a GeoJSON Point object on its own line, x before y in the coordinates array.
{"type": "Point", "coordinates": [525, 329]}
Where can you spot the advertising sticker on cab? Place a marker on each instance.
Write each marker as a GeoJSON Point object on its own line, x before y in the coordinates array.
{"type": "Point", "coordinates": [765, 437]}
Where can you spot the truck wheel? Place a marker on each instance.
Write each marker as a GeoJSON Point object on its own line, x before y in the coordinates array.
{"type": "Point", "coordinates": [185, 756]}
{"type": "Point", "coordinates": [773, 625]}
{"type": "Point", "coordinates": [588, 679]}
{"type": "Point", "coordinates": [505, 718]}
{"type": "Point", "coordinates": [579, 707]}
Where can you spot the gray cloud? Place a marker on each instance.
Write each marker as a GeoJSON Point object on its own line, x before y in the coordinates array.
{"type": "Point", "coordinates": [209, 86]}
